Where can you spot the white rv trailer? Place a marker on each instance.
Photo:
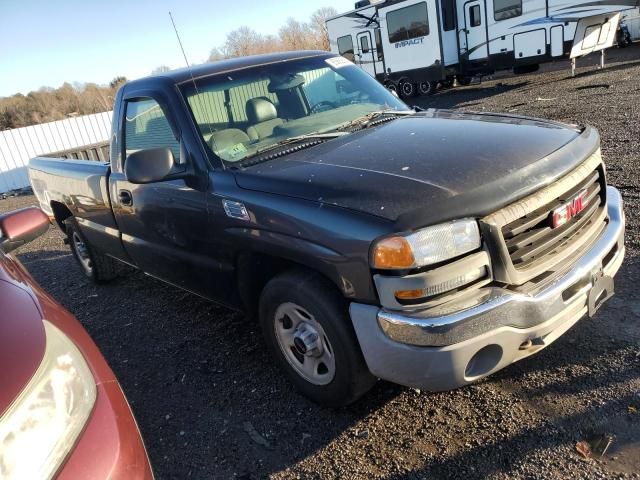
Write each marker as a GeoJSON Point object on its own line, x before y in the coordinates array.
{"type": "Point", "coordinates": [410, 45]}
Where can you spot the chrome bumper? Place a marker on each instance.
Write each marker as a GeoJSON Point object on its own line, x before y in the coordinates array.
{"type": "Point", "coordinates": [494, 327]}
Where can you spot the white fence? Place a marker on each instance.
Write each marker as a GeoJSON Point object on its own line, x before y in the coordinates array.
{"type": "Point", "coordinates": [19, 145]}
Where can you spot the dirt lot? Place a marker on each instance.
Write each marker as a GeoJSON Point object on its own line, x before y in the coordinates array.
{"type": "Point", "coordinates": [203, 388]}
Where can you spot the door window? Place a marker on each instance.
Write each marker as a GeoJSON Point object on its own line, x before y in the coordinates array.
{"type": "Point", "coordinates": [448, 8]}
{"type": "Point", "coordinates": [146, 127]}
{"type": "Point", "coordinates": [364, 44]}
{"type": "Point", "coordinates": [474, 16]}
{"type": "Point", "coordinates": [504, 9]}
{"type": "Point", "coordinates": [345, 47]}
{"type": "Point", "coordinates": [408, 22]}
{"type": "Point", "coordinates": [378, 36]}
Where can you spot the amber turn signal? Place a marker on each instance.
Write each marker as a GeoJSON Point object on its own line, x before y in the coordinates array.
{"type": "Point", "coordinates": [393, 252]}
{"type": "Point", "coordinates": [410, 294]}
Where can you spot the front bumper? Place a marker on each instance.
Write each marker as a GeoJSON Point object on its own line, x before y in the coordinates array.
{"type": "Point", "coordinates": [489, 330]}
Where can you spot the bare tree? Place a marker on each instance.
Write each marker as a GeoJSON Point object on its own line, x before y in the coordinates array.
{"type": "Point", "coordinates": [246, 41]}
{"type": "Point", "coordinates": [296, 35]}
{"type": "Point", "coordinates": [117, 82]}
{"type": "Point", "coordinates": [216, 54]}
{"type": "Point", "coordinates": [318, 23]}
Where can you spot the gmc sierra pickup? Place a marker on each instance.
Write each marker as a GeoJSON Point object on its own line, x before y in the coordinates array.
{"type": "Point", "coordinates": [371, 240]}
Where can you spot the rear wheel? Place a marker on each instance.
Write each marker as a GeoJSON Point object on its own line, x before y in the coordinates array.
{"type": "Point", "coordinates": [94, 265]}
{"type": "Point", "coordinates": [463, 80]}
{"type": "Point", "coordinates": [392, 87]}
{"type": "Point", "coordinates": [426, 88]}
{"type": "Point", "coordinates": [407, 89]}
{"type": "Point", "coordinates": [306, 327]}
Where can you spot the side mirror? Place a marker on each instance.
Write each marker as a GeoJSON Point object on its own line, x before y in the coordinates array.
{"type": "Point", "coordinates": [21, 227]}
{"type": "Point", "coordinates": [149, 166]}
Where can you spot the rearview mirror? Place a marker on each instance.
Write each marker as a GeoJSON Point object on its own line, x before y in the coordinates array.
{"type": "Point", "coordinates": [149, 166]}
{"type": "Point", "coordinates": [21, 226]}
{"type": "Point", "coordinates": [286, 82]}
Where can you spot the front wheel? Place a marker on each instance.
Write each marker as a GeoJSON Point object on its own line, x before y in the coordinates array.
{"type": "Point", "coordinates": [306, 327]}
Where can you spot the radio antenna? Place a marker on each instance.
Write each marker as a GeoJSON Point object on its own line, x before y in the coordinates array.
{"type": "Point", "coordinates": [195, 85]}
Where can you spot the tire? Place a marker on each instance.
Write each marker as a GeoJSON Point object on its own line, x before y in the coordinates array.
{"type": "Point", "coordinates": [427, 88]}
{"type": "Point", "coordinates": [306, 326]}
{"type": "Point", "coordinates": [447, 83]}
{"type": "Point", "coordinates": [407, 89]}
{"type": "Point", "coordinates": [95, 266]}
{"type": "Point", "coordinates": [463, 81]}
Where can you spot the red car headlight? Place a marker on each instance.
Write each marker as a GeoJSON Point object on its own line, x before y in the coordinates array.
{"type": "Point", "coordinates": [41, 427]}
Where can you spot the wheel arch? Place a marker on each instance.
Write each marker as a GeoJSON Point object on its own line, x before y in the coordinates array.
{"type": "Point", "coordinates": [254, 269]}
{"type": "Point", "coordinates": [60, 213]}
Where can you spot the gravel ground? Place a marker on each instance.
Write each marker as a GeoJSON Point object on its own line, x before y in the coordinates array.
{"type": "Point", "coordinates": [211, 403]}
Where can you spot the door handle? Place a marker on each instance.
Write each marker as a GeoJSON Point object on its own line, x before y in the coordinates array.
{"type": "Point", "coordinates": [126, 198]}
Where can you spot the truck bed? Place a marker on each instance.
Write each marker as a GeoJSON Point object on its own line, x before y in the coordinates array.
{"type": "Point", "coordinates": [80, 185]}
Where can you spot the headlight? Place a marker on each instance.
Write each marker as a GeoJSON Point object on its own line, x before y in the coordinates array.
{"type": "Point", "coordinates": [428, 246]}
{"type": "Point", "coordinates": [40, 428]}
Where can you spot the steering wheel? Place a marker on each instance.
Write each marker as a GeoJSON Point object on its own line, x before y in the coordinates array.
{"type": "Point", "coordinates": [323, 106]}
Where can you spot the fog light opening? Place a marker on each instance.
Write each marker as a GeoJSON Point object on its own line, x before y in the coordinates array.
{"type": "Point", "coordinates": [483, 362]}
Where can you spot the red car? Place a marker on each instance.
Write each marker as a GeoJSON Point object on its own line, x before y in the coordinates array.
{"type": "Point", "coordinates": [62, 411]}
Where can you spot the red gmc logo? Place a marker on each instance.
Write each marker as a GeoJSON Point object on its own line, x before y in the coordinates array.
{"type": "Point", "coordinates": [560, 216]}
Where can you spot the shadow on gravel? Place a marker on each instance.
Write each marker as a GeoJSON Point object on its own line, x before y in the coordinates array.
{"type": "Point", "coordinates": [209, 399]}
{"type": "Point", "coordinates": [614, 68]}
{"type": "Point", "coordinates": [507, 453]}
{"type": "Point", "coordinates": [457, 96]}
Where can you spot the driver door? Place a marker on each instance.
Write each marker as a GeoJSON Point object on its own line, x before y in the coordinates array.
{"type": "Point", "coordinates": [163, 224]}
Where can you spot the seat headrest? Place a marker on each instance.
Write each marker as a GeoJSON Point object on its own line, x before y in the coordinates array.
{"type": "Point", "coordinates": [224, 139]}
{"type": "Point", "coordinates": [261, 110]}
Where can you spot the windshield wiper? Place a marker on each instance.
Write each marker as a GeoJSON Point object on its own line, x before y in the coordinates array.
{"type": "Point", "coordinates": [298, 143]}
{"type": "Point", "coordinates": [369, 118]}
{"type": "Point", "coordinates": [300, 138]}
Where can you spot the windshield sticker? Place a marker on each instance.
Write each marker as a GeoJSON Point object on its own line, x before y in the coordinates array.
{"type": "Point", "coordinates": [338, 62]}
{"type": "Point", "coordinates": [233, 152]}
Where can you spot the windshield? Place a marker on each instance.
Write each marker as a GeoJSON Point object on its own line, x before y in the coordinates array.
{"type": "Point", "coordinates": [244, 113]}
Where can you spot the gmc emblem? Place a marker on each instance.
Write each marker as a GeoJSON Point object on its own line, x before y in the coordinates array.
{"type": "Point", "coordinates": [560, 216]}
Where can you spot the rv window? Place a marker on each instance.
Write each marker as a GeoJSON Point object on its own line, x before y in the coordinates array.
{"type": "Point", "coordinates": [504, 9]}
{"type": "Point", "coordinates": [345, 47]}
{"type": "Point", "coordinates": [378, 35]}
{"type": "Point", "coordinates": [407, 23]}
{"type": "Point", "coordinates": [448, 14]}
{"type": "Point", "coordinates": [364, 44]}
{"type": "Point", "coordinates": [474, 16]}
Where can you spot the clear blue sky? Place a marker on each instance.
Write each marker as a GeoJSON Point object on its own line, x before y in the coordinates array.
{"type": "Point", "coordinates": [49, 42]}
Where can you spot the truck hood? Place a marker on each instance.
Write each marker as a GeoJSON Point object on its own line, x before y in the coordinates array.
{"type": "Point", "coordinates": [428, 168]}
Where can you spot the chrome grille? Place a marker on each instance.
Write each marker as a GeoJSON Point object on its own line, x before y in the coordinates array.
{"type": "Point", "coordinates": [533, 236]}
{"type": "Point", "coordinates": [524, 245]}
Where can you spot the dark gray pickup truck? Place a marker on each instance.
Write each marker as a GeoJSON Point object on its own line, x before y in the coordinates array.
{"type": "Point", "coordinates": [428, 248]}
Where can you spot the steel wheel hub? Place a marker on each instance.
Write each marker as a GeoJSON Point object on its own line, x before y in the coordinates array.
{"type": "Point", "coordinates": [304, 344]}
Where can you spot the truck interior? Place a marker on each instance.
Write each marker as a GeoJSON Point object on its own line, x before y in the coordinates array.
{"type": "Point", "coordinates": [241, 115]}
